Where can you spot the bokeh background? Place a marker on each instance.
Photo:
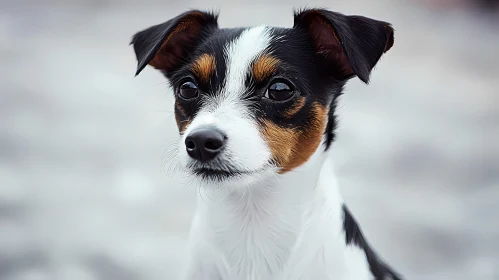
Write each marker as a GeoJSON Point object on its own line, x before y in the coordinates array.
{"type": "Point", "coordinates": [83, 192]}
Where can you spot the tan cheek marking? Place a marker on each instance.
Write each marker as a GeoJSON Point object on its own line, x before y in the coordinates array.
{"type": "Point", "coordinates": [204, 67]}
{"type": "Point", "coordinates": [280, 141]}
{"type": "Point", "coordinates": [290, 147]}
{"type": "Point", "coordinates": [264, 67]}
{"type": "Point", "coordinates": [182, 122]}
{"type": "Point", "coordinates": [299, 103]}
{"type": "Point", "coordinates": [308, 140]}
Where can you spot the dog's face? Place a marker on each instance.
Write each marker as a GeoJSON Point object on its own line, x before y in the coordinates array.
{"type": "Point", "coordinates": [254, 102]}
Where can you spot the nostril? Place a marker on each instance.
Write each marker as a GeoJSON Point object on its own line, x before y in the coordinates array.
{"type": "Point", "coordinates": [190, 145]}
{"type": "Point", "coordinates": [213, 144]}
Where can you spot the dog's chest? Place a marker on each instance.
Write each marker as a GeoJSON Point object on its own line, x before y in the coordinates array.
{"type": "Point", "coordinates": [253, 242]}
{"type": "Point", "coordinates": [272, 243]}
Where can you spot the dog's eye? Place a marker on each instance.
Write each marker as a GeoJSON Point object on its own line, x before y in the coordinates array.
{"type": "Point", "coordinates": [279, 91]}
{"type": "Point", "coordinates": [188, 90]}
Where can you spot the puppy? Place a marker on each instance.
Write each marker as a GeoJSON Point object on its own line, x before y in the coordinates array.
{"type": "Point", "coordinates": [255, 108]}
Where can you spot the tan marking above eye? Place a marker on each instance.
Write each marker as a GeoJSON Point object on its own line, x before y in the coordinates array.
{"type": "Point", "coordinates": [299, 103]}
{"type": "Point", "coordinates": [291, 147]}
{"type": "Point", "coordinates": [204, 67]}
{"type": "Point", "coordinates": [264, 67]}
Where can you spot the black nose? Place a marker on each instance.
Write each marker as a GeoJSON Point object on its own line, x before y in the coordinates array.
{"type": "Point", "coordinates": [204, 144]}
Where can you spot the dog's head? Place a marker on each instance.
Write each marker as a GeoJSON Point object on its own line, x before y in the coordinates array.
{"type": "Point", "coordinates": [261, 100]}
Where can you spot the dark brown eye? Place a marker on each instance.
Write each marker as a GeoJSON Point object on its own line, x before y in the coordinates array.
{"type": "Point", "coordinates": [279, 91]}
{"type": "Point", "coordinates": [188, 90]}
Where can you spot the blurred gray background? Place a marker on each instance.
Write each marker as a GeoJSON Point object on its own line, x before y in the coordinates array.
{"type": "Point", "coordinates": [83, 192]}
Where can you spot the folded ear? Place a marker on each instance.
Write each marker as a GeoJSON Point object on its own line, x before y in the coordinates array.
{"type": "Point", "coordinates": [350, 45]}
{"type": "Point", "coordinates": [165, 45]}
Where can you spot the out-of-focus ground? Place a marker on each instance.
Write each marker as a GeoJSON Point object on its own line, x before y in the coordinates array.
{"type": "Point", "coordinates": [82, 191]}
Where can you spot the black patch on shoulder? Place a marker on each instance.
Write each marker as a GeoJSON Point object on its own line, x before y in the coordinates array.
{"type": "Point", "coordinates": [354, 237]}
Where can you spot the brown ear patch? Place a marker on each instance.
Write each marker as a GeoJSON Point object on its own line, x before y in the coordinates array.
{"type": "Point", "coordinates": [204, 67]}
{"type": "Point", "coordinates": [181, 118]}
{"type": "Point", "coordinates": [326, 41]}
{"type": "Point", "coordinates": [169, 52]}
{"type": "Point", "coordinates": [291, 147]}
{"type": "Point", "coordinates": [264, 67]}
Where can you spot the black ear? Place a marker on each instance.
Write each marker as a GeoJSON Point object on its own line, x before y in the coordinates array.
{"type": "Point", "coordinates": [165, 45]}
{"type": "Point", "coordinates": [350, 45]}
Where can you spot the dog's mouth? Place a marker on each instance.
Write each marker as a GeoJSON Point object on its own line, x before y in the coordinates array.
{"type": "Point", "coordinates": [219, 174]}
{"type": "Point", "coordinates": [217, 171]}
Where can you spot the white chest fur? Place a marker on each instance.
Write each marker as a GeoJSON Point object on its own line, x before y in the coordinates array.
{"type": "Point", "coordinates": [287, 228]}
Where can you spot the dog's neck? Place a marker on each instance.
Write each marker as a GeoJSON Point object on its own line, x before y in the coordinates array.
{"type": "Point", "coordinates": [280, 225]}
{"type": "Point", "coordinates": [274, 197]}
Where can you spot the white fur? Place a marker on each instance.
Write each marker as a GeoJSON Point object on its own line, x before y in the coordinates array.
{"type": "Point", "coordinates": [265, 226]}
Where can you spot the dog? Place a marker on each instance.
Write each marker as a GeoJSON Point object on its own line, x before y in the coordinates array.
{"type": "Point", "coordinates": [255, 109]}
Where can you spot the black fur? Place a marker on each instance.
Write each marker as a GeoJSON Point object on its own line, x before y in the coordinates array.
{"type": "Point", "coordinates": [354, 237]}
{"type": "Point", "coordinates": [332, 122]}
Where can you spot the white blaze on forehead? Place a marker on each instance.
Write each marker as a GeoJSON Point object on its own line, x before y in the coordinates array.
{"type": "Point", "coordinates": [245, 149]}
{"type": "Point", "coordinates": [240, 54]}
